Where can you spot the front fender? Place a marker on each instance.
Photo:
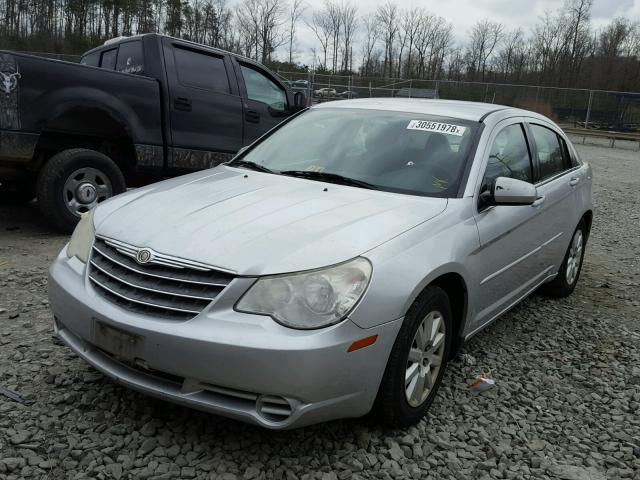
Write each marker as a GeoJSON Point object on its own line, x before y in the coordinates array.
{"type": "Point", "coordinates": [405, 265]}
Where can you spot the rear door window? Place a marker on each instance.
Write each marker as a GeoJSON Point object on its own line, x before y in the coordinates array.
{"type": "Point", "coordinates": [130, 58]}
{"type": "Point", "coordinates": [108, 59]}
{"type": "Point", "coordinates": [201, 70]}
{"type": "Point", "coordinates": [552, 154]}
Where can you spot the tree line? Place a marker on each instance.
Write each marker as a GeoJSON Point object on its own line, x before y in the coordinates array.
{"type": "Point", "coordinates": [562, 49]}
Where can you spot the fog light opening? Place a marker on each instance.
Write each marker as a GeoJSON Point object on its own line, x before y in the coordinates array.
{"type": "Point", "coordinates": [273, 408]}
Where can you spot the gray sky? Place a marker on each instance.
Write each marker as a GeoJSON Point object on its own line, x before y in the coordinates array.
{"type": "Point", "coordinates": [464, 13]}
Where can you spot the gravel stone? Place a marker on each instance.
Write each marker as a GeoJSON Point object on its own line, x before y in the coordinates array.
{"type": "Point", "coordinates": [251, 473]}
{"type": "Point", "coordinates": [21, 437]}
{"type": "Point", "coordinates": [572, 472]}
{"type": "Point", "coordinates": [148, 445]}
{"type": "Point", "coordinates": [115, 470]}
{"type": "Point", "coordinates": [565, 406]}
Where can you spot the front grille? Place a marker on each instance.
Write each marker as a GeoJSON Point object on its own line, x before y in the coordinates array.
{"type": "Point", "coordinates": [168, 287]}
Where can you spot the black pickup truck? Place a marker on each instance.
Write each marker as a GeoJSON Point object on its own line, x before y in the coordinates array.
{"type": "Point", "coordinates": [135, 110]}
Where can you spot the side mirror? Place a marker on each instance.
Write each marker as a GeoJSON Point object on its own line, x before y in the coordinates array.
{"type": "Point", "coordinates": [299, 100]}
{"type": "Point", "coordinates": [510, 191]}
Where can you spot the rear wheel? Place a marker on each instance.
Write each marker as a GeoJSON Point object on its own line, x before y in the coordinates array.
{"type": "Point", "coordinates": [74, 181]}
{"type": "Point", "coordinates": [417, 361]}
{"type": "Point", "coordinates": [565, 282]}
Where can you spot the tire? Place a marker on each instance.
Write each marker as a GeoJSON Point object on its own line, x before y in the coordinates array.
{"type": "Point", "coordinates": [392, 403]}
{"type": "Point", "coordinates": [64, 178]}
{"type": "Point", "coordinates": [16, 194]}
{"type": "Point", "coordinates": [564, 283]}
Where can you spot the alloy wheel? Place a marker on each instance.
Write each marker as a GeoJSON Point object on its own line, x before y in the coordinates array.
{"type": "Point", "coordinates": [425, 358]}
{"type": "Point", "coordinates": [575, 257]}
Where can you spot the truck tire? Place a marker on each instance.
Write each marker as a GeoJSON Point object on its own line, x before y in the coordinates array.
{"type": "Point", "coordinates": [73, 182]}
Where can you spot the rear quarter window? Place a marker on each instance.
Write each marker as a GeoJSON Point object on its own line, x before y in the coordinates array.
{"type": "Point", "coordinates": [92, 60]}
{"type": "Point", "coordinates": [108, 59]}
{"type": "Point", "coordinates": [130, 58]}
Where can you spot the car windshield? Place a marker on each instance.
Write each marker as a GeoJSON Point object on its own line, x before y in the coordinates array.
{"type": "Point", "coordinates": [392, 151]}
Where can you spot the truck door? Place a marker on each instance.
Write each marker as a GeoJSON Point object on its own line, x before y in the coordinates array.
{"type": "Point", "coordinates": [205, 107]}
{"type": "Point", "coordinates": [265, 101]}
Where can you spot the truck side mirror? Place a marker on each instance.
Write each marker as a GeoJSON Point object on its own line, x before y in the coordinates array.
{"type": "Point", "coordinates": [299, 100]}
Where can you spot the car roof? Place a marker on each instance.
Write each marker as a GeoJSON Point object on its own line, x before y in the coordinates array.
{"type": "Point", "coordinates": [475, 111]}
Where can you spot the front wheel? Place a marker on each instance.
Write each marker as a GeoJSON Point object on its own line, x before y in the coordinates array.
{"type": "Point", "coordinates": [417, 361]}
{"type": "Point", "coordinates": [565, 281]}
{"type": "Point", "coordinates": [74, 181]}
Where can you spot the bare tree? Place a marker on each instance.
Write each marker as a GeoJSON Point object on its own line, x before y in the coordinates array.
{"type": "Point", "coordinates": [485, 36]}
{"type": "Point", "coordinates": [371, 37]}
{"type": "Point", "coordinates": [455, 64]}
{"type": "Point", "coordinates": [334, 14]}
{"type": "Point", "coordinates": [612, 39]}
{"type": "Point", "coordinates": [579, 13]}
{"type": "Point", "coordinates": [510, 59]}
{"type": "Point", "coordinates": [410, 26]}
{"type": "Point", "coordinates": [320, 25]}
{"type": "Point", "coordinates": [349, 23]}
{"type": "Point", "coordinates": [295, 11]}
{"type": "Point", "coordinates": [388, 19]}
{"type": "Point", "coordinates": [262, 21]}
{"type": "Point", "coordinates": [548, 47]}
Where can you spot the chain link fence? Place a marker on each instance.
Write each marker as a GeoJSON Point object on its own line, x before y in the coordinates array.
{"type": "Point", "coordinates": [595, 109]}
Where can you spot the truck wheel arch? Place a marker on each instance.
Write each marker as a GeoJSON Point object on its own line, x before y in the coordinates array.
{"type": "Point", "coordinates": [87, 126]}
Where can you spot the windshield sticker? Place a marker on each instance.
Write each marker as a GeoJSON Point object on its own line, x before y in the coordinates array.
{"type": "Point", "coordinates": [427, 126]}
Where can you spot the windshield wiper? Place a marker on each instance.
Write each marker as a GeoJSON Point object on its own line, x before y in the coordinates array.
{"type": "Point", "coordinates": [250, 165]}
{"type": "Point", "coordinates": [329, 177]}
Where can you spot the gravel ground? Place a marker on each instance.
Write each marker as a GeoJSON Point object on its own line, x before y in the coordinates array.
{"type": "Point", "coordinates": [566, 404]}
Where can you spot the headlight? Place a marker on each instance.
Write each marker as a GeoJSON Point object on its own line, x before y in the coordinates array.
{"type": "Point", "coordinates": [312, 299]}
{"type": "Point", "coordinates": [82, 237]}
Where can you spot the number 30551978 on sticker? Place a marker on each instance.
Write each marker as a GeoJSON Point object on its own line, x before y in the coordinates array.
{"type": "Point", "coordinates": [428, 126]}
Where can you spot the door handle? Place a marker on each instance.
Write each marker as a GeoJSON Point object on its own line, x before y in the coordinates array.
{"type": "Point", "coordinates": [252, 116]}
{"type": "Point", "coordinates": [574, 181]}
{"type": "Point", "coordinates": [182, 103]}
{"type": "Point", "coordinates": [539, 201]}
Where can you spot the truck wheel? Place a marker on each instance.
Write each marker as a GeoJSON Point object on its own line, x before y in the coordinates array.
{"type": "Point", "coordinates": [16, 194]}
{"type": "Point", "coordinates": [73, 182]}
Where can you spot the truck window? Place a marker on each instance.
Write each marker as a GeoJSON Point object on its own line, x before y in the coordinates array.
{"type": "Point", "coordinates": [93, 59]}
{"type": "Point", "coordinates": [130, 58]}
{"type": "Point", "coordinates": [262, 89]}
{"type": "Point", "coordinates": [108, 59]}
{"type": "Point", "coordinates": [201, 70]}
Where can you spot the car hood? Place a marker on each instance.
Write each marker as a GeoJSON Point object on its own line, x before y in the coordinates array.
{"type": "Point", "coordinates": [256, 223]}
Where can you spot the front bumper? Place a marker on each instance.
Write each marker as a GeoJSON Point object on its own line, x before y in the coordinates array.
{"type": "Point", "coordinates": [237, 365]}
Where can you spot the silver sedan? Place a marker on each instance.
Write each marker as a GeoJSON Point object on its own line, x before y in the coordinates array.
{"type": "Point", "coordinates": [333, 267]}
